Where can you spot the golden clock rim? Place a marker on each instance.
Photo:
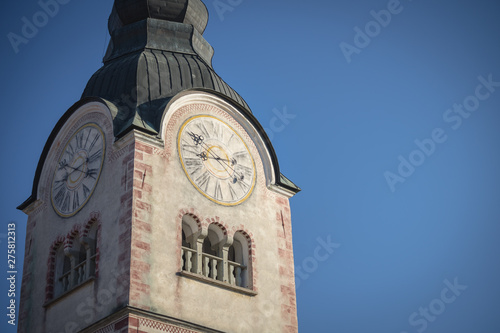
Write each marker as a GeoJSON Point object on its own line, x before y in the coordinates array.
{"type": "Point", "coordinates": [223, 203]}
{"type": "Point", "coordinates": [98, 176]}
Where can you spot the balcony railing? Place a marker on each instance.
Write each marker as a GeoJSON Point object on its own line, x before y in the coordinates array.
{"type": "Point", "coordinates": [236, 273]}
{"type": "Point", "coordinates": [80, 275]}
{"type": "Point", "coordinates": [212, 267]}
{"type": "Point", "coordinates": [188, 260]}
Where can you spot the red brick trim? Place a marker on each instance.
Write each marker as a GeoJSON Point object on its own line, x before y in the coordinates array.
{"type": "Point", "coordinates": [51, 267]}
{"type": "Point", "coordinates": [192, 213]}
{"type": "Point", "coordinates": [70, 238]}
{"type": "Point", "coordinates": [67, 242]}
{"type": "Point", "coordinates": [216, 221]}
{"type": "Point", "coordinates": [137, 324]}
{"type": "Point", "coordinates": [163, 327]}
{"type": "Point", "coordinates": [286, 268]}
{"type": "Point", "coordinates": [252, 258]}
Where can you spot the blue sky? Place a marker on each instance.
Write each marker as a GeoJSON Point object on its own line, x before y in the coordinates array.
{"type": "Point", "coordinates": [391, 130]}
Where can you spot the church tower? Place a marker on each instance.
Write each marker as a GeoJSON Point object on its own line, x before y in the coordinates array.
{"type": "Point", "coordinates": [158, 204]}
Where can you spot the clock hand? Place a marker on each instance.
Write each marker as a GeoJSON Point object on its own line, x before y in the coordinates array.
{"type": "Point", "coordinates": [197, 139]}
{"type": "Point", "coordinates": [76, 169]}
{"type": "Point", "coordinates": [219, 159]}
{"type": "Point", "coordinates": [233, 161]}
{"type": "Point", "coordinates": [203, 155]}
{"type": "Point", "coordinates": [86, 162]}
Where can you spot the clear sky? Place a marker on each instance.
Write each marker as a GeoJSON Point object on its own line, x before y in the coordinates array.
{"type": "Point", "coordinates": [385, 113]}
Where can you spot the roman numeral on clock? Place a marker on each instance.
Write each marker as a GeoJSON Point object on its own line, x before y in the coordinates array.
{"type": "Point", "coordinates": [234, 196]}
{"type": "Point", "coordinates": [216, 160]}
{"type": "Point", "coordinates": [218, 191]}
{"type": "Point", "coordinates": [203, 181]}
{"type": "Point", "coordinates": [76, 200]}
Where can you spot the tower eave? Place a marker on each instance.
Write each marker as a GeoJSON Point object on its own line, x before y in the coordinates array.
{"type": "Point", "coordinates": [43, 156]}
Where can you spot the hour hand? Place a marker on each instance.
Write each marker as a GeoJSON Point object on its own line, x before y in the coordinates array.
{"type": "Point", "coordinates": [217, 158]}
{"type": "Point", "coordinates": [197, 139]}
{"type": "Point", "coordinates": [75, 169]}
{"type": "Point", "coordinates": [203, 155]}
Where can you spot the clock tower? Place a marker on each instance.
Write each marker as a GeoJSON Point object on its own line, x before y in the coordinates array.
{"type": "Point", "coordinates": [158, 204]}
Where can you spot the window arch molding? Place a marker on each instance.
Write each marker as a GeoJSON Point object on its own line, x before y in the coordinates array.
{"type": "Point", "coordinates": [191, 229]}
{"type": "Point", "coordinates": [73, 259]}
{"type": "Point", "coordinates": [242, 259]}
{"type": "Point", "coordinates": [55, 249]}
{"type": "Point", "coordinates": [209, 251]}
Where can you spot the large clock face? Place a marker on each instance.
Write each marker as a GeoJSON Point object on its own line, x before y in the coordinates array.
{"type": "Point", "coordinates": [216, 160]}
{"type": "Point", "coordinates": [78, 170]}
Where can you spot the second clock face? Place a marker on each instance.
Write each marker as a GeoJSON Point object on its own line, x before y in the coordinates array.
{"type": "Point", "coordinates": [216, 160]}
{"type": "Point", "coordinates": [78, 170]}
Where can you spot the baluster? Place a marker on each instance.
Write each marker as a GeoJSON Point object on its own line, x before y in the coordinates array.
{"type": "Point", "coordinates": [77, 276]}
{"type": "Point", "coordinates": [238, 276]}
{"type": "Point", "coordinates": [82, 273]}
{"type": "Point", "coordinates": [206, 270]}
{"type": "Point", "coordinates": [189, 264]}
{"type": "Point", "coordinates": [214, 269]}
{"type": "Point", "coordinates": [183, 258]}
{"type": "Point", "coordinates": [231, 274]}
{"type": "Point", "coordinates": [65, 283]}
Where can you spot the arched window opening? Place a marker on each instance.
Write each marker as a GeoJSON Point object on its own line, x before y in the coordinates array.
{"type": "Point", "coordinates": [76, 264]}
{"type": "Point", "coordinates": [184, 240]}
{"type": "Point", "coordinates": [80, 273]}
{"type": "Point", "coordinates": [212, 260]}
{"type": "Point", "coordinates": [62, 272]}
{"type": "Point", "coordinates": [231, 254]}
{"type": "Point", "coordinates": [188, 249]}
{"type": "Point", "coordinates": [212, 257]}
{"type": "Point", "coordinates": [238, 261]}
{"type": "Point", "coordinates": [91, 249]}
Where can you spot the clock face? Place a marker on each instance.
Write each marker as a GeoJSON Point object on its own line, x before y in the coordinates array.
{"type": "Point", "coordinates": [78, 170]}
{"type": "Point", "coordinates": [216, 160]}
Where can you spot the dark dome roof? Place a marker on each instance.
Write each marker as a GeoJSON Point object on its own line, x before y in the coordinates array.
{"type": "Point", "coordinates": [141, 84]}
{"type": "Point", "coordinates": [191, 12]}
{"type": "Point", "coordinates": [156, 52]}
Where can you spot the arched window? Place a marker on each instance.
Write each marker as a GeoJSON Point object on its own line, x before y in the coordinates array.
{"type": "Point", "coordinates": [62, 272]}
{"type": "Point", "coordinates": [90, 245]}
{"type": "Point", "coordinates": [74, 265]}
{"type": "Point", "coordinates": [238, 261]}
{"type": "Point", "coordinates": [189, 251]}
{"type": "Point", "coordinates": [209, 255]}
{"type": "Point", "coordinates": [212, 258]}
{"type": "Point", "coordinates": [80, 263]}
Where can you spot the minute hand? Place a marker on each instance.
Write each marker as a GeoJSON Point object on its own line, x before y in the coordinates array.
{"type": "Point", "coordinates": [220, 160]}
{"type": "Point", "coordinates": [233, 161]}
